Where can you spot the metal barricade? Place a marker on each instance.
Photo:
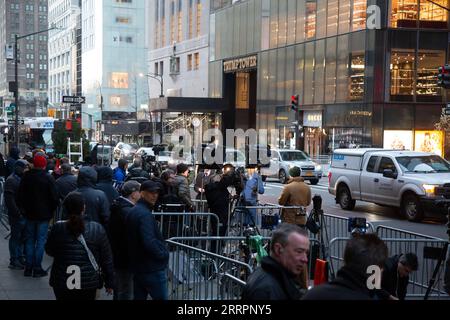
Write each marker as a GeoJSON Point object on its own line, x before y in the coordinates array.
{"type": "Point", "coordinates": [394, 233]}
{"type": "Point", "coordinates": [185, 224]}
{"type": "Point", "coordinates": [427, 251]}
{"type": "Point", "coordinates": [265, 218]}
{"type": "Point", "coordinates": [196, 274]}
{"type": "Point", "coordinates": [200, 205]}
{"type": "Point", "coordinates": [337, 227]}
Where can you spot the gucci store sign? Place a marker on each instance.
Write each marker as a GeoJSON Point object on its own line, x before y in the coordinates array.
{"type": "Point", "coordinates": [312, 119]}
{"type": "Point", "coordinates": [240, 64]}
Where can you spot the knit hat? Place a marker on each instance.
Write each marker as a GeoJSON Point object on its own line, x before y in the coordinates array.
{"type": "Point", "coordinates": [40, 162]}
{"type": "Point", "coordinates": [20, 163]}
{"type": "Point", "coordinates": [295, 172]}
{"type": "Point", "coordinates": [129, 187]}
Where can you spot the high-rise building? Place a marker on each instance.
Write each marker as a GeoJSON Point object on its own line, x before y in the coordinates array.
{"type": "Point", "coordinates": [22, 18]}
{"type": "Point", "coordinates": [113, 58]}
{"type": "Point", "coordinates": [62, 51]}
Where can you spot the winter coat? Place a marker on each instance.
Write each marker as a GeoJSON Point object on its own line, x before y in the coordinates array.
{"type": "Point", "coordinates": [119, 174]}
{"type": "Point", "coordinates": [253, 186]}
{"type": "Point", "coordinates": [13, 157]}
{"type": "Point", "coordinates": [117, 231]}
{"type": "Point", "coordinates": [271, 281]}
{"type": "Point", "coordinates": [218, 197]}
{"type": "Point", "coordinates": [147, 250]}
{"type": "Point", "coordinates": [297, 194]}
{"type": "Point", "coordinates": [183, 191]}
{"type": "Point", "coordinates": [97, 205]}
{"type": "Point", "coordinates": [348, 285]}
{"type": "Point", "coordinates": [105, 183]}
{"type": "Point", "coordinates": [65, 185]}
{"type": "Point", "coordinates": [11, 190]}
{"type": "Point", "coordinates": [391, 283]}
{"type": "Point", "coordinates": [37, 196]}
{"type": "Point", "coordinates": [68, 251]}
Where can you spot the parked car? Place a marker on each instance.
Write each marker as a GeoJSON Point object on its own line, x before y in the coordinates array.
{"type": "Point", "coordinates": [415, 182]}
{"type": "Point", "coordinates": [163, 158]}
{"type": "Point", "coordinates": [125, 151]}
{"type": "Point", "coordinates": [283, 160]}
{"type": "Point", "coordinates": [145, 151]}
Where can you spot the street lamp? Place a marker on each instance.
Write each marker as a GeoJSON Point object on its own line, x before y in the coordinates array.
{"type": "Point", "coordinates": [160, 79]}
{"type": "Point", "coordinates": [16, 78]}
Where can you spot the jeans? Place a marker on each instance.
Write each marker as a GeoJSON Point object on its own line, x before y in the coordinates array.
{"type": "Point", "coordinates": [124, 285]}
{"type": "Point", "coordinates": [35, 238]}
{"type": "Point", "coordinates": [16, 242]}
{"type": "Point", "coordinates": [153, 284]}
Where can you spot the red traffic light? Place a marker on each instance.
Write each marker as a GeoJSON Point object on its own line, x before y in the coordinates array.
{"type": "Point", "coordinates": [295, 102]}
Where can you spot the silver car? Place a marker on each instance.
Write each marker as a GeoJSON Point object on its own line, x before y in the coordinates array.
{"type": "Point", "coordinates": [283, 160]}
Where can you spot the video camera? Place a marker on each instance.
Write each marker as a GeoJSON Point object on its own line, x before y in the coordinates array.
{"type": "Point", "coordinates": [357, 226]}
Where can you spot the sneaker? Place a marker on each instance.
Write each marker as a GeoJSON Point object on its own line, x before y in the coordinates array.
{"type": "Point", "coordinates": [39, 273]}
{"type": "Point", "coordinates": [28, 272]}
{"type": "Point", "coordinates": [16, 266]}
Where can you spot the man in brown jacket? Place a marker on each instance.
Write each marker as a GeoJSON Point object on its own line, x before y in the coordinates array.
{"type": "Point", "coordinates": [298, 194]}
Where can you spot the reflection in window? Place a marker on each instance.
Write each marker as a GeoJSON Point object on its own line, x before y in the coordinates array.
{"type": "Point", "coordinates": [357, 77]}
{"type": "Point", "coordinates": [310, 24]}
{"type": "Point", "coordinates": [333, 7]}
{"type": "Point", "coordinates": [427, 64]}
{"type": "Point", "coordinates": [119, 80]}
{"type": "Point", "coordinates": [433, 16]}
{"type": "Point", "coordinates": [344, 16]}
{"type": "Point", "coordinates": [404, 13]}
{"type": "Point", "coordinates": [359, 14]}
{"type": "Point", "coordinates": [402, 74]}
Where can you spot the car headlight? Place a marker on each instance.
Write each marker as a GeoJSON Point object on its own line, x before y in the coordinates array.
{"type": "Point", "coordinates": [430, 189]}
{"type": "Point", "coordinates": [318, 168]}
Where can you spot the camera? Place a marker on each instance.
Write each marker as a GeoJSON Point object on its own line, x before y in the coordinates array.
{"type": "Point", "coordinates": [357, 225]}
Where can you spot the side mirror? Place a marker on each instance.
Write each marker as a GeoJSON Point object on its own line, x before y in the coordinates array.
{"type": "Point", "coordinates": [388, 173]}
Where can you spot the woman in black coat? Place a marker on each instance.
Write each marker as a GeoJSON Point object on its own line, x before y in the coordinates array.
{"type": "Point", "coordinates": [77, 274]}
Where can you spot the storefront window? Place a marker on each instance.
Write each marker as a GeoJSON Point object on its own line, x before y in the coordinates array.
{"type": "Point", "coordinates": [429, 141]}
{"type": "Point", "coordinates": [432, 15]}
{"type": "Point", "coordinates": [359, 14]}
{"type": "Point", "coordinates": [402, 74]}
{"type": "Point", "coordinates": [404, 13]}
{"type": "Point", "coordinates": [310, 23]}
{"type": "Point", "coordinates": [398, 139]}
{"type": "Point", "coordinates": [427, 64]}
{"type": "Point", "coordinates": [357, 77]}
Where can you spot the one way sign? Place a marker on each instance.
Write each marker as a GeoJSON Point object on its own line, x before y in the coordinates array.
{"type": "Point", "coordinates": [74, 99]}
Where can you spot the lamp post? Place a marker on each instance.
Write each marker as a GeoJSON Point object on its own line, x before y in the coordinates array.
{"type": "Point", "coordinates": [160, 79]}
{"type": "Point", "coordinates": [16, 78]}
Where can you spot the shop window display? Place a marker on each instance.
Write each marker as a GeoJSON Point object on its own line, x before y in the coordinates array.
{"type": "Point", "coordinates": [404, 13]}
{"type": "Point", "coordinates": [402, 75]}
{"type": "Point", "coordinates": [359, 14]}
{"type": "Point", "coordinates": [428, 62]}
{"type": "Point", "coordinates": [433, 16]}
{"type": "Point", "coordinates": [408, 13]}
{"type": "Point", "coordinates": [357, 77]}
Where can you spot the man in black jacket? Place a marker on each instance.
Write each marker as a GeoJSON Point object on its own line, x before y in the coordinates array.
{"type": "Point", "coordinates": [275, 279]}
{"type": "Point", "coordinates": [97, 204]}
{"type": "Point", "coordinates": [147, 249]}
{"type": "Point", "coordinates": [120, 209]}
{"type": "Point", "coordinates": [105, 183]}
{"type": "Point", "coordinates": [16, 221]}
{"type": "Point", "coordinates": [67, 182]}
{"type": "Point", "coordinates": [37, 199]}
{"type": "Point", "coordinates": [362, 253]}
{"type": "Point", "coordinates": [13, 157]}
{"type": "Point", "coordinates": [395, 278]}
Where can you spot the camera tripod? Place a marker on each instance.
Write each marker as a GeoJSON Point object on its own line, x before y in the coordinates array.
{"type": "Point", "coordinates": [442, 256]}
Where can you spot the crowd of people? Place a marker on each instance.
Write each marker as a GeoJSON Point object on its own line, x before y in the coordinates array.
{"type": "Point", "coordinates": [100, 221]}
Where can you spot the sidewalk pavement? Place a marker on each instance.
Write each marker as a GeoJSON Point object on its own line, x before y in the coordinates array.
{"type": "Point", "coordinates": [14, 286]}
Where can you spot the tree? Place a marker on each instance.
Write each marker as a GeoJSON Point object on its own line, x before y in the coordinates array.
{"type": "Point", "coordinates": [444, 123]}
{"type": "Point", "coordinates": [60, 136]}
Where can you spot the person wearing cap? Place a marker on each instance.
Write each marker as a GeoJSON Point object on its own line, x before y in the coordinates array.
{"type": "Point", "coordinates": [253, 187]}
{"type": "Point", "coordinates": [67, 182]}
{"type": "Point", "coordinates": [147, 249]}
{"type": "Point", "coordinates": [296, 194]}
{"type": "Point", "coordinates": [16, 221]}
{"type": "Point", "coordinates": [182, 186]}
{"type": "Point", "coordinates": [37, 198]}
{"type": "Point", "coordinates": [121, 207]}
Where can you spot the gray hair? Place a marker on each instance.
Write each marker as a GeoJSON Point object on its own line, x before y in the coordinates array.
{"type": "Point", "coordinates": [282, 233]}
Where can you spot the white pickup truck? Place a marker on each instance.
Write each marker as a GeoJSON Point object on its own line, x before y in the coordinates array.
{"type": "Point", "coordinates": [418, 183]}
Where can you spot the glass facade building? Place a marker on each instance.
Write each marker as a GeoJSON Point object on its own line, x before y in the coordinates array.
{"type": "Point", "coordinates": [365, 70]}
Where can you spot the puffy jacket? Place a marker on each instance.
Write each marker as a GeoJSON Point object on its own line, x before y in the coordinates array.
{"type": "Point", "coordinates": [105, 183]}
{"type": "Point", "coordinates": [183, 191]}
{"type": "Point", "coordinates": [298, 194]}
{"type": "Point", "coordinates": [119, 174]}
{"type": "Point", "coordinates": [11, 190]}
{"type": "Point", "coordinates": [117, 230]}
{"type": "Point", "coordinates": [271, 282]}
{"type": "Point", "coordinates": [146, 246]}
{"type": "Point", "coordinates": [97, 205]}
{"type": "Point", "coordinates": [218, 197]}
{"type": "Point", "coordinates": [65, 185]}
{"type": "Point", "coordinates": [68, 251]}
{"type": "Point", "coordinates": [37, 197]}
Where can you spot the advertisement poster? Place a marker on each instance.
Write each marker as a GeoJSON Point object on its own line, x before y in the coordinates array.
{"type": "Point", "coordinates": [398, 139]}
{"type": "Point", "coordinates": [429, 141]}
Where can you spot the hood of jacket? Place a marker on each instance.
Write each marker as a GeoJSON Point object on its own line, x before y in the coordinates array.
{"type": "Point", "coordinates": [87, 177]}
{"type": "Point", "coordinates": [105, 174]}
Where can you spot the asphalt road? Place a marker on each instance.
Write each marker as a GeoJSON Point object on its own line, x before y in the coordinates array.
{"type": "Point", "coordinates": [376, 214]}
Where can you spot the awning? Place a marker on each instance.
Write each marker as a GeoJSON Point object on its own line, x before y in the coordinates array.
{"type": "Point", "coordinates": [185, 104]}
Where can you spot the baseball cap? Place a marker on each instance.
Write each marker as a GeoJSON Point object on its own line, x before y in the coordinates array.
{"type": "Point", "coordinates": [150, 186]}
{"type": "Point", "coordinates": [129, 187]}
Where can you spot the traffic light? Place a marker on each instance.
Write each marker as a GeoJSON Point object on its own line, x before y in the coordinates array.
{"type": "Point", "coordinates": [295, 103]}
{"type": "Point", "coordinates": [444, 76]}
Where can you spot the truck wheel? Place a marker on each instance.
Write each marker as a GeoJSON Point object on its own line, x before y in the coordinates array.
{"type": "Point", "coordinates": [314, 182]}
{"type": "Point", "coordinates": [345, 199]}
{"type": "Point", "coordinates": [411, 208]}
{"type": "Point", "coordinates": [282, 177]}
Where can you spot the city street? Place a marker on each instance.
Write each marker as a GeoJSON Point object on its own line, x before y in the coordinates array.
{"type": "Point", "coordinates": [376, 214]}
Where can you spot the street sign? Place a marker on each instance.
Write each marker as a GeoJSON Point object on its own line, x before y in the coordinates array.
{"type": "Point", "coordinates": [74, 99]}
{"type": "Point", "coordinates": [13, 122]}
